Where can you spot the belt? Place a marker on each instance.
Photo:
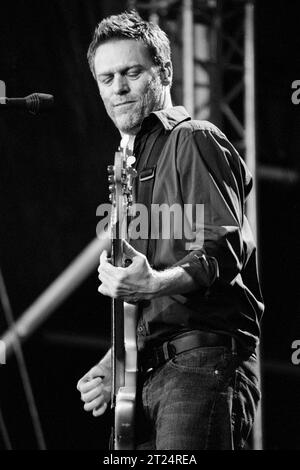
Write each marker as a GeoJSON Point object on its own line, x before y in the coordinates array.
{"type": "Point", "coordinates": [158, 355]}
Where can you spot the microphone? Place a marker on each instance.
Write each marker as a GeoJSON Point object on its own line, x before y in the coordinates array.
{"type": "Point", "coordinates": [32, 103]}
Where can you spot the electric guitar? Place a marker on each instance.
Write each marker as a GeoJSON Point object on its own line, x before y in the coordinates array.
{"type": "Point", "coordinates": [124, 315]}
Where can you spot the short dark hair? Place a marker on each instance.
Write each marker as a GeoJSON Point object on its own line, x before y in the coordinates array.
{"type": "Point", "coordinates": [129, 25]}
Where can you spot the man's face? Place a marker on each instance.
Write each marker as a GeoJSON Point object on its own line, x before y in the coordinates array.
{"type": "Point", "coordinates": [129, 83]}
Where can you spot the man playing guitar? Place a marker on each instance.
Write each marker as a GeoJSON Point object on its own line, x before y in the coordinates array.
{"type": "Point", "coordinates": [199, 303]}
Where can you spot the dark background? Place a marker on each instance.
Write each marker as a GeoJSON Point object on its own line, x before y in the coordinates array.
{"type": "Point", "coordinates": [53, 177]}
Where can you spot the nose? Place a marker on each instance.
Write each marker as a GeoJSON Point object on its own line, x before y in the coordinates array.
{"type": "Point", "coordinates": [120, 84]}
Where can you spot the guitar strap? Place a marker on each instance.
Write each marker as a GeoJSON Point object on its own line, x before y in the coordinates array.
{"type": "Point", "coordinates": [146, 167]}
{"type": "Point", "coordinates": [144, 184]}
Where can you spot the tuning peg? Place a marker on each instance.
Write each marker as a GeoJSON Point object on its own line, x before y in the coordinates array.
{"type": "Point", "coordinates": [111, 188]}
{"type": "Point", "coordinates": [110, 169]}
{"type": "Point", "coordinates": [111, 179]}
{"type": "Point", "coordinates": [130, 160]}
{"type": "Point", "coordinates": [110, 198]}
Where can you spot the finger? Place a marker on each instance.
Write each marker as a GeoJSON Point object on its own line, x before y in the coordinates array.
{"type": "Point", "coordinates": [81, 383]}
{"type": "Point", "coordinates": [93, 394]}
{"type": "Point", "coordinates": [94, 404]}
{"type": "Point", "coordinates": [99, 411]}
{"type": "Point", "coordinates": [104, 290]}
{"type": "Point", "coordinates": [103, 257]}
{"type": "Point", "coordinates": [105, 266]}
{"type": "Point", "coordinates": [89, 385]}
{"type": "Point", "coordinates": [104, 277]}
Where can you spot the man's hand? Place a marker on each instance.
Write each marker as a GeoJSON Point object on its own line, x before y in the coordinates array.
{"type": "Point", "coordinates": [131, 284]}
{"type": "Point", "coordinates": [95, 389]}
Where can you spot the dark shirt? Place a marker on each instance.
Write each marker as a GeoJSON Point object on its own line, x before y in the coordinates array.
{"type": "Point", "coordinates": [198, 165]}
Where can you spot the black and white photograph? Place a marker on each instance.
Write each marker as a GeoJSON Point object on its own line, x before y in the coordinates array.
{"type": "Point", "coordinates": [149, 214]}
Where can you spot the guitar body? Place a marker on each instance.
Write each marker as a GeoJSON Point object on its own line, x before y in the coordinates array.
{"type": "Point", "coordinates": [124, 315]}
{"type": "Point", "coordinates": [124, 418]}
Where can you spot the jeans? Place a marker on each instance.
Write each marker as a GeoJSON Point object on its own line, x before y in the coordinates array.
{"type": "Point", "coordinates": [202, 399]}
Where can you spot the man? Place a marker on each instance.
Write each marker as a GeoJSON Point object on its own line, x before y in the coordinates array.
{"type": "Point", "coordinates": [200, 303]}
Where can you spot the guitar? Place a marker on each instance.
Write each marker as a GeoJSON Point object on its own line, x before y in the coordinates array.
{"type": "Point", "coordinates": [123, 315]}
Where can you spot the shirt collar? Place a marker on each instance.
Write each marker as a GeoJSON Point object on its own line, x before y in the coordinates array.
{"type": "Point", "coordinates": [169, 118]}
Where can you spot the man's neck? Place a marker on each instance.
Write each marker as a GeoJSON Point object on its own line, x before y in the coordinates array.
{"type": "Point", "coordinates": [167, 100]}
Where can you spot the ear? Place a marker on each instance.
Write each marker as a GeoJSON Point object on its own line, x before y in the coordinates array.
{"type": "Point", "coordinates": [166, 73]}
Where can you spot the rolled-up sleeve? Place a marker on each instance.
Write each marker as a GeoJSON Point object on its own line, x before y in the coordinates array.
{"type": "Point", "coordinates": [211, 173]}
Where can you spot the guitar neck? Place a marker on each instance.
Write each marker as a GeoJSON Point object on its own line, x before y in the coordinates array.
{"type": "Point", "coordinates": [123, 315]}
{"type": "Point", "coordinates": [117, 327]}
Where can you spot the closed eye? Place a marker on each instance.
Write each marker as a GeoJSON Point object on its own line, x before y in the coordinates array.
{"type": "Point", "coordinates": [134, 72]}
{"type": "Point", "coordinates": [105, 79]}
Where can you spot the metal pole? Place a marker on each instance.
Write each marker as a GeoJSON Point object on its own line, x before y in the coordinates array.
{"type": "Point", "coordinates": [36, 422]}
{"type": "Point", "coordinates": [216, 68]}
{"type": "Point", "coordinates": [4, 433]}
{"type": "Point", "coordinates": [55, 294]}
{"type": "Point", "coordinates": [188, 55]}
{"type": "Point", "coordinates": [250, 146]}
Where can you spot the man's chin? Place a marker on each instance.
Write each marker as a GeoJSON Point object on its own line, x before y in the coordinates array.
{"type": "Point", "coordinates": [127, 126]}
